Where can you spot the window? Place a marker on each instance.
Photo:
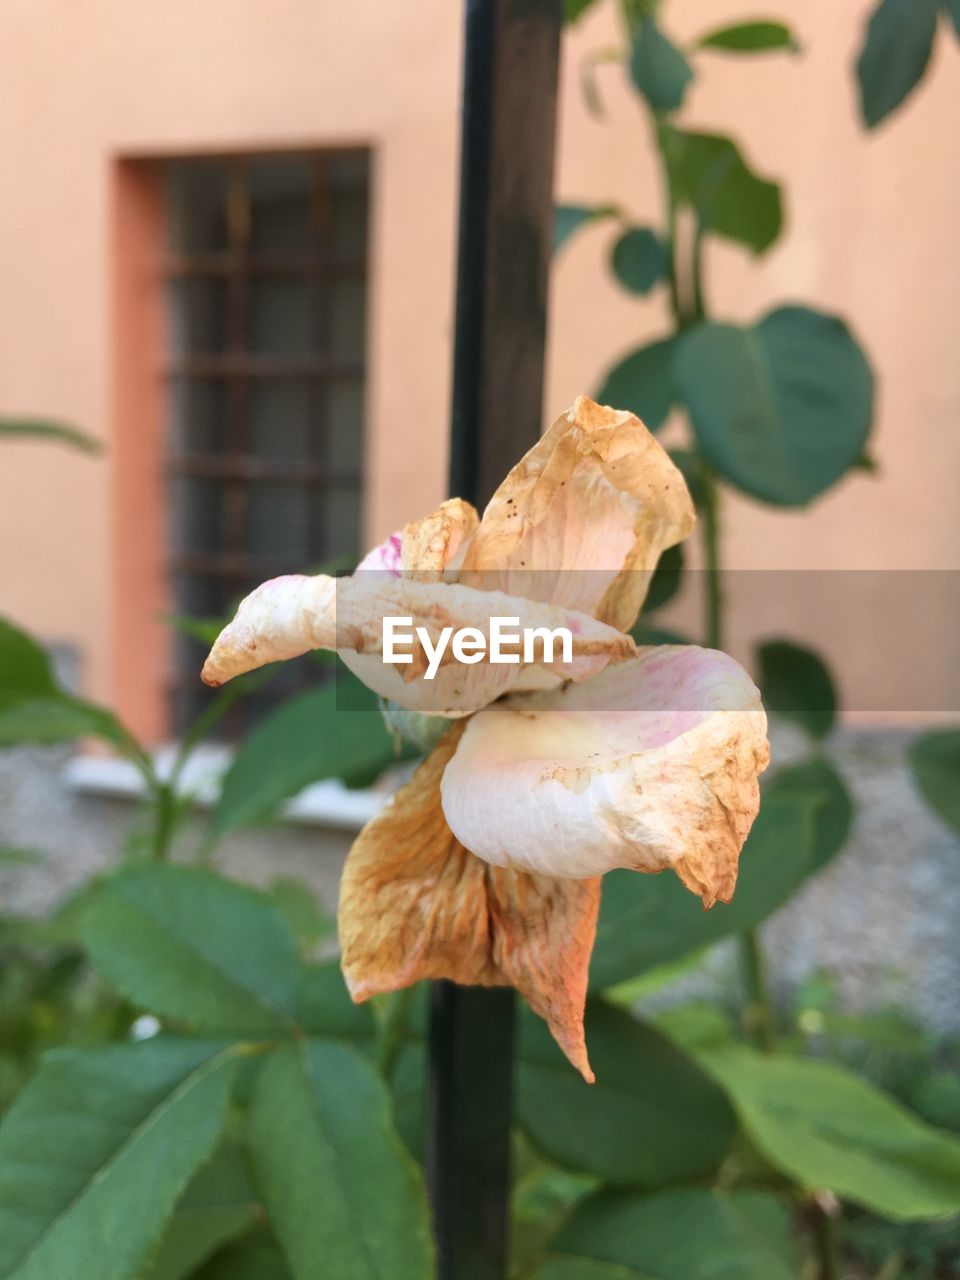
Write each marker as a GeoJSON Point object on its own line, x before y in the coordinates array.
{"type": "Point", "coordinates": [266, 288]}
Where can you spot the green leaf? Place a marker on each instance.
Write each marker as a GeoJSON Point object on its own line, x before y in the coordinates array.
{"type": "Point", "coordinates": [896, 50]}
{"type": "Point", "coordinates": [337, 1182]}
{"type": "Point", "coordinates": [690, 465]}
{"type": "Point", "coordinates": [643, 383]}
{"type": "Point", "coordinates": [297, 903]}
{"type": "Point", "coordinates": [825, 1127]}
{"type": "Point", "coordinates": [651, 1118]}
{"type": "Point", "coordinates": [647, 921]}
{"type": "Point", "coordinates": [796, 684]}
{"type": "Point", "coordinates": [256, 1257]}
{"type": "Point", "coordinates": [659, 69]}
{"type": "Point", "coordinates": [187, 944]}
{"type": "Point", "coordinates": [584, 1269]}
{"type": "Point", "coordinates": [574, 9]}
{"type": "Point", "coordinates": [569, 218]}
{"type": "Point", "coordinates": [709, 174]}
{"type": "Point", "coordinates": [781, 409]}
{"type": "Point", "coordinates": [218, 1206]}
{"type": "Point", "coordinates": [686, 1235]}
{"type": "Point", "coordinates": [751, 37]}
{"type": "Point", "coordinates": [666, 579]}
{"type": "Point", "coordinates": [34, 709]}
{"type": "Point", "coordinates": [952, 9]}
{"type": "Point", "coordinates": [310, 738]}
{"type": "Point", "coordinates": [326, 1008]}
{"type": "Point", "coordinates": [935, 762]}
{"type": "Point", "coordinates": [639, 259]}
{"type": "Point", "coordinates": [40, 429]}
{"type": "Point", "coordinates": [96, 1151]}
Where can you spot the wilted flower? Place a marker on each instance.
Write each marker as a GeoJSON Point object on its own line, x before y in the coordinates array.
{"type": "Point", "coordinates": [486, 867]}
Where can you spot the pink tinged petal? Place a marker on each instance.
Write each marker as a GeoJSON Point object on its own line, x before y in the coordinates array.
{"type": "Point", "coordinates": [457, 689]}
{"type": "Point", "coordinates": [582, 519]}
{"type": "Point", "coordinates": [386, 557]}
{"type": "Point", "coordinates": [282, 618]}
{"type": "Point", "coordinates": [652, 765]}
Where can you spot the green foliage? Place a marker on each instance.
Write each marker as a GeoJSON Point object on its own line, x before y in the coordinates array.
{"type": "Point", "coordinates": [639, 259]}
{"type": "Point", "coordinates": [336, 1181]}
{"type": "Point", "coordinates": [569, 218]}
{"type": "Point", "coordinates": [935, 761]}
{"type": "Point", "coordinates": [647, 921]}
{"type": "Point", "coordinates": [685, 1235]}
{"type": "Point", "coordinates": [666, 580]}
{"type": "Point", "coordinates": [796, 684]}
{"type": "Point", "coordinates": [751, 37]}
{"type": "Point", "coordinates": [952, 9]}
{"type": "Point", "coordinates": [192, 946]}
{"type": "Point", "coordinates": [895, 54]}
{"type": "Point", "coordinates": [573, 9]}
{"type": "Point", "coordinates": [328, 733]}
{"type": "Point", "coordinates": [43, 429]}
{"type": "Point", "coordinates": [650, 1119]}
{"type": "Point", "coordinates": [659, 70]}
{"type": "Point", "coordinates": [584, 1269]}
{"type": "Point", "coordinates": [709, 175]}
{"type": "Point", "coordinates": [781, 409]}
{"type": "Point", "coordinates": [218, 1206]}
{"type": "Point", "coordinates": [825, 1127]}
{"type": "Point", "coordinates": [643, 383]}
{"type": "Point", "coordinates": [95, 1130]}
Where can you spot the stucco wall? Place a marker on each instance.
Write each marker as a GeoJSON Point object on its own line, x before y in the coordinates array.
{"type": "Point", "coordinates": [871, 232]}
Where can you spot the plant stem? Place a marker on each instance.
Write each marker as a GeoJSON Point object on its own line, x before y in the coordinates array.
{"type": "Point", "coordinates": [827, 1229]}
{"type": "Point", "coordinates": [394, 1030]}
{"type": "Point", "coordinates": [165, 800]}
{"type": "Point", "coordinates": [759, 1012]}
{"type": "Point", "coordinates": [710, 527]}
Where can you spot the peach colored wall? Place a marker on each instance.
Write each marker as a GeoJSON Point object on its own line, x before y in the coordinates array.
{"type": "Point", "coordinates": [871, 233]}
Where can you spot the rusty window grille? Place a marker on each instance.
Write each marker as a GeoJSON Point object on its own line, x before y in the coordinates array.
{"type": "Point", "coordinates": [266, 277]}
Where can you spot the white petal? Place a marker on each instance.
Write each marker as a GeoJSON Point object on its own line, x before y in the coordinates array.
{"type": "Point", "coordinates": [386, 557]}
{"type": "Point", "coordinates": [282, 618]}
{"type": "Point", "coordinates": [652, 764]}
{"type": "Point", "coordinates": [582, 519]}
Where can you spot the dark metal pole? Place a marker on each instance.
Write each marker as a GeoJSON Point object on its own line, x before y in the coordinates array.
{"type": "Point", "coordinates": [511, 62]}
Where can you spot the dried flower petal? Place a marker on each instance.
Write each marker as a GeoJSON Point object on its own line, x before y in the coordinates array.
{"type": "Point", "coordinates": [438, 542]}
{"type": "Point", "coordinates": [582, 518]}
{"type": "Point", "coordinates": [652, 765]}
{"type": "Point", "coordinates": [415, 904]}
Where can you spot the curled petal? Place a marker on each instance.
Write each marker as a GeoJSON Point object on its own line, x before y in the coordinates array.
{"type": "Point", "coordinates": [652, 765]}
{"type": "Point", "coordinates": [456, 689]}
{"type": "Point", "coordinates": [385, 558]}
{"type": "Point", "coordinates": [582, 518]}
{"type": "Point", "coordinates": [282, 618]}
{"type": "Point", "coordinates": [438, 542]}
{"type": "Point", "coordinates": [415, 904]}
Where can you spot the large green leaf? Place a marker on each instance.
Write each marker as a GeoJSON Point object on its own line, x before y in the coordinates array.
{"type": "Point", "coordinates": [935, 762]}
{"type": "Point", "coordinates": [315, 736]}
{"type": "Point", "coordinates": [639, 259]}
{"type": "Point", "coordinates": [96, 1151]}
{"type": "Point", "coordinates": [647, 921]}
{"type": "Point", "coordinates": [751, 37]}
{"type": "Point", "coordinates": [782, 409]}
{"type": "Point", "coordinates": [659, 70]}
{"type": "Point", "coordinates": [651, 1118]}
{"type": "Point", "coordinates": [796, 684]}
{"type": "Point", "coordinates": [685, 1235]}
{"type": "Point", "coordinates": [187, 944]}
{"type": "Point", "coordinates": [643, 383]}
{"type": "Point", "coordinates": [896, 50]}
{"type": "Point", "coordinates": [569, 218]}
{"type": "Point", "coordinates": [709, 174]}
{"type": "Point", "coordinates": [341, 1190]}
{"type": "Point", "coordinates": [218, 1206]}
{"type": "Point", "coordinates": [25, 670]}
{"type": "Point", "coordinates": [326, 1008]}
{"type": "Point", "coordinates": [44, 429]}
{"type": "Point", "coordinates": [825, 1127]}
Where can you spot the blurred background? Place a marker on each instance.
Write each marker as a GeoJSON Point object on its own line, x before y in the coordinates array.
{"type": "Point", "coordinates": [227, 251]}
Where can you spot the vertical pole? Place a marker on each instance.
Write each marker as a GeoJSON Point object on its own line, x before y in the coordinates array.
{"type": "Point", "coordinates": [511, 62]}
